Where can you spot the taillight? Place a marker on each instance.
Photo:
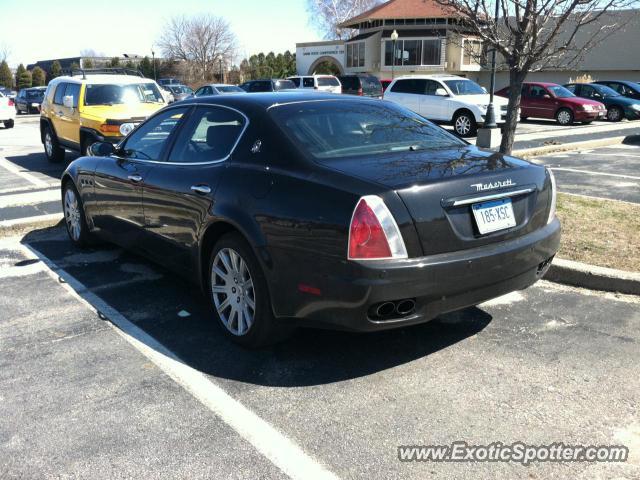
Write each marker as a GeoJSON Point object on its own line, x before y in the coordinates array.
{"type": "Point", "coordinates": [373, 233]}
{"type": "Point", "coordinates": [554, 198]}
{"type": "Point", "coordinates": [360, 92]}
{"type": "Point", "coordinates": [11, 104]}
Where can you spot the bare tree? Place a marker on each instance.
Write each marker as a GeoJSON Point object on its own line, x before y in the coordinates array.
{"type": "Point", "coordinates": [5, 51]}
{"type": "Point", "coordinates": [203, 42]}
{"type": "Point", "coordinates": [532, 35]}
{"type": "Point", "coordinates": [326, 15]}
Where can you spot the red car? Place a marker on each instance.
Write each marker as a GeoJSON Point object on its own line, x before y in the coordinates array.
{"type": "Point", "coordinates": [550, 100]}
{"type": "Point", "coordinates": [385, 83]}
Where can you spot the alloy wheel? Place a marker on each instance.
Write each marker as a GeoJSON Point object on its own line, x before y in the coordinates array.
{"type": "Point", "coordinates": [463, 125]}
{"type": "Point", "coordinates": [564, 117]}
{"type": "Point", "coordinates": [614, 115]}
{"type": "Point", "coordinates": [233, 292]}
{"type": "Point", "coordinates": [48, 144]}
{"type": "Point", "coordinates": [72, 214]}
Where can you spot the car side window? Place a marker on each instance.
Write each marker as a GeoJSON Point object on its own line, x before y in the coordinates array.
{"type": "Point", "coordinates": [572, 88]}
{"type": "Point", "coordinates": [199, 92]}
{"type": "Point", "coordinates": [261, 87]}
{"type": "Point", "coordinates": [296, 81]}
{"type": "Point", "coordinates": [587, 91]}
{"type": "Point", "coordinates": [537, 91]}
{"type": "Point", "coordinates": [432, 87]}
{"type": "Point", "coordinates": [59, 95]}
{"type": "Point", "coordinates": [308, 82]}
{"type": "Point", "coordinates": [209, 135]}
{"type": "Point", "coordinates": [413, 85]}
{"type": "Point", "coordinates": [73, 90]}
{"type": "Point", "coordinates": [148, 140]}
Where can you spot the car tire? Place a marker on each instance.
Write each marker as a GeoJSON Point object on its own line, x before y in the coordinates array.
{"type": "Point", "coordinates": [84, 146]}
{"type": "Point", "coordinates": [464, 124]}
{"type": "Point", "coordinates": [564, 116]}
{"type": "Point", "coordinates": [235, 281]}
{"type": "Point", "coordinates": [74, 217]}
{"type": "Point", "coordinates": [615, 114]}
{"type": "Point", "coordinates": [9, 123]}
{"type": "Point", "coordinates": [53, 151]}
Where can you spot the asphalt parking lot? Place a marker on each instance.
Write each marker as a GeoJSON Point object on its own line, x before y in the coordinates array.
{"type": "Point", "coordinates": [607, 172]}
{"type": "Point", "coordinates": [140, 383]}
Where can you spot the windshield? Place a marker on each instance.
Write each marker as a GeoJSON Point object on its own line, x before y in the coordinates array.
{"type": "Point", "coordinates": [229, 89]}
{"type": "Point", "coordinates": [122, 94]}
{"type": "Point", "coordinates": [605, 91]}
{"type": "Point", "coordinates": [560, 92]}
{"type": "Point", "coordinates": [332, 129]}
{"type": "Point", "coordinates": [464, 87]}
{"type": "Point", "coordinates": [34, 94]}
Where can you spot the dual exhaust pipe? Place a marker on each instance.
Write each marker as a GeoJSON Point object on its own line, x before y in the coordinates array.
{"type": "Point", "coordinates": [395, 308]}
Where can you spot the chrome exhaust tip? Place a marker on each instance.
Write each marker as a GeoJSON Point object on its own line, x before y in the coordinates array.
{"type": "Point", "coordinates": [405, 307]}
{"type": "Point", "coordinates": [385, 309]}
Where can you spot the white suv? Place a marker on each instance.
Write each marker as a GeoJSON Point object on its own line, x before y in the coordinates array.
{"type": "Point", "coordinates": [7, 111]}
{"type": "Point", "coordinates": [322, 83]}
{"type": "Point", "coordinates": [449, 99]}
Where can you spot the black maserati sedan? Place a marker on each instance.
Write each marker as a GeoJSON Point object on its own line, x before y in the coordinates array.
{"type": "Point", "coordinates": [316, 210]}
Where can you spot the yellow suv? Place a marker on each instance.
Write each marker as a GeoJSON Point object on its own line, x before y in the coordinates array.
{"type": "Point", "coordinates": [94, 106]}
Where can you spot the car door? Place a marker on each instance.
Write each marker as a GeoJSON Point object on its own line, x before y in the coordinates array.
{"type": "Point", "coordinates": [120, 178]}
{"type": "Point", "coordinates": [432, 106]}
{"type": "Point", "coordinates": [409, 93]}
{"type": "Point", "coordinates": [56, 110]}
{"type": "Point", "coordinates": [179, 192]}
{"type": "Point", "coordinates": [541, 102]}
{"type": "Point", "coordinates": [70, 116]}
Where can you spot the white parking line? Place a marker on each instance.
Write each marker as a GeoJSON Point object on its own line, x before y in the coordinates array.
{"type": "Point", "coordinates": [13, 168]}
{"type": "Point", "coordinates": [28, 198]}
{"type": "Point", "coordinates": [590, 172]}
{"type": "Point", "coordinates": [36, 219]}
{"type": "Point", "coordinates": [274, 445]}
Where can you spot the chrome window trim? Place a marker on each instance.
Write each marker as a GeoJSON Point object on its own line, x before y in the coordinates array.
{"type": "Point", "coordinates": [494, 196]}
{"type": "Point", "coordinates": [159, 162]}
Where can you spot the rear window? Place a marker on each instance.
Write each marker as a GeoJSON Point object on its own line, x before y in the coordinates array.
{"type": "Point", "coordinates": [332, 129]}
{"type": "Point", "coordinates": [328, 82]}
{"type": "Point", "coordinates": [350, 83]}
{"type": "Point", "coordinates": [296, 81]}
{"type": "Point", "coordinates": [308, 82]}
{"type": "Point", "coordinates": [413, 85]}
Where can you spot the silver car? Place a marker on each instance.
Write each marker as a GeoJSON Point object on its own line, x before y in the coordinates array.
{"type": "Point", "coordinates": [218, 89]}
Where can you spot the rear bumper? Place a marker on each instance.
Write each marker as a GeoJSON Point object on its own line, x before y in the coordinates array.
{"type": "Point", "coordinates": [438, 284]}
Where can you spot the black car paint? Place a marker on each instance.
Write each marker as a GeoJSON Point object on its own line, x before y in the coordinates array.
{"type": "Point", "coordinates": [295, 213]}
{"type": "Point", "coordinates": [632, 89]}
{"type": "Point", "coordinates": [23, 101]}
{"type": "Point", "coordinates": [620, 101]}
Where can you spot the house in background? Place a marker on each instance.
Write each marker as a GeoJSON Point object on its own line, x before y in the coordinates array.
{"type": "Point", "coordinates": [430, 41]}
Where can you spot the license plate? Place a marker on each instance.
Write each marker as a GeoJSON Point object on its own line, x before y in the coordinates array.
{"type": "Point", "coordinates": [493, 216]}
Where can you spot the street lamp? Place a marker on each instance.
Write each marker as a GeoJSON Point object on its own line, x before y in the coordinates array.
{"type": "Point", "coordinates": [394, 39]}
{"type": "Point", "coordinates": [153, 56]}
{"type": "Point", "coordinates": [491, 116]}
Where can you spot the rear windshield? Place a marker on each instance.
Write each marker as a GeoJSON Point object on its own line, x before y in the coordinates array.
{"type": "Point", "coordinates": [34, 94]}
{"type": "Point", "coordinates": [284, 85]}
{"type": "Point", "coordinates": [110, 94]}
{"type": "Point", "coordinates": [334, 129]}
{"type": "Point", "coordinates": [350, 83]}
{"type": "Point", "coordinates": [328, 82]}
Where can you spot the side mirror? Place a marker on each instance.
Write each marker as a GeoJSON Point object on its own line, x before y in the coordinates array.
{"type": "Point", "coordinates": [546, 95]}
{"type": "Point", "coordinates": [102, 149]}
{"type": "Point", "coordinates": [67, 101]}
{"type": "Point", "coordinates": [441, 92]}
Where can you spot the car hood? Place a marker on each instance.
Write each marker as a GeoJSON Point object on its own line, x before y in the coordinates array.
{"type": "Point", "coordinates": [123, 112]}
{"type": "Point", "coordinates": [402, 170]}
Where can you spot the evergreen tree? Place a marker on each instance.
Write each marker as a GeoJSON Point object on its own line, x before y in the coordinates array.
{"type": "Point", "coordinates": [115, 62]}
{"type": "Point", "coordinates": [6, 77]}
{"type": "Point", "coordinates": [87, 63]}
{"type": "Point", "coordinates": [19, 71]}
{"type": "Point", "coordinates": [24, 80]}
{"type": "Point", "coordinates": [56, 69]}
{"type": "Point", "coordinates": [146, 67]}
{"type": "Point", "coordinates": [38, 77]}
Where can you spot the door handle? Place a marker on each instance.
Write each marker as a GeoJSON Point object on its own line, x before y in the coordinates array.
{"type": "Point", "coordinates": [135, 178]}
{"type": "Point", "coordinates": [201, 189]}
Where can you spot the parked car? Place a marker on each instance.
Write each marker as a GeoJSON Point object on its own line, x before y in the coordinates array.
{"type": "Point", "coordinates": [322, 83]}
{"type": "Point", "coordinates": [169, 81]}
{"type": "Point", "coordinates": [310, 207]}
{"type": "Point", "coordinates": [80, 110]}
{"type": "Point", "coordinates": [623, 87]}
{"type": "Point", "coordinates": [618, 106]}
{"type": "Point", "coordinates": [166, 94]}
{"type": "Point", "coordinates": [361, 84]}
{"type": "Point", "coordinates": [218, 89]}
{"type": "Point", "coordinates": [180, 92]}
{"type": "Point", "coordinates": [550, 100]}
{"type": "Point", "coordinates": [267, 85]}
{"type": "Point", "coordinates": [7, 111]}
{"type": "Point", "coordinates": [446, 99]}
{"type": "Point", "coordinates": [385, 82]}
{"type": "Point", "coordinates": [9, 93]}
{"type": "Point", "coordinates": [29, 100]}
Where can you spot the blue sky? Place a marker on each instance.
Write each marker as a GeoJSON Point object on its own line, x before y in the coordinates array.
{"type": "Point", "coordinates": [41, 29]}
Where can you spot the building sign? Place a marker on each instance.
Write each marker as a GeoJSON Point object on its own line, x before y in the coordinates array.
{"type": "Point", "coordinates": [307, 55]}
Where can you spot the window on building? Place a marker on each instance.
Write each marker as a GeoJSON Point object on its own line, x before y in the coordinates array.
{"type": "Point", "coordinates": [413, 52]}
{"type": "Point", "coordinates": [355, 55]}
{"type": "Point", "coordinates": [472, 52]}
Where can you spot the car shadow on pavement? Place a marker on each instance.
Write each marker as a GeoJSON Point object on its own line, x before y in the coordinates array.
{"type": "Point", "coordinates": [38, 163]}
{"type": "Point", "coordinates": [176, 314]}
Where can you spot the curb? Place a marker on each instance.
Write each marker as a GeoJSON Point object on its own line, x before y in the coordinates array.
{"type": "Point", "coordinates": [593, 277]}
{"type": "Point", "coordinates": [25, 225]}
{"type": "Point", "coordinates": [565, 147]}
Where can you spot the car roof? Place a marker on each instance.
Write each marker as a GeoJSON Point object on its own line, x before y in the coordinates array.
{"type": "Point", "coordinates": [101, 79]}
{"type": "Point", "coordinates": [265, 100]}
{"type": "Point", "coordinates": [435, 76]}
{"type": "Point", "coordinates": [544, 84]}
